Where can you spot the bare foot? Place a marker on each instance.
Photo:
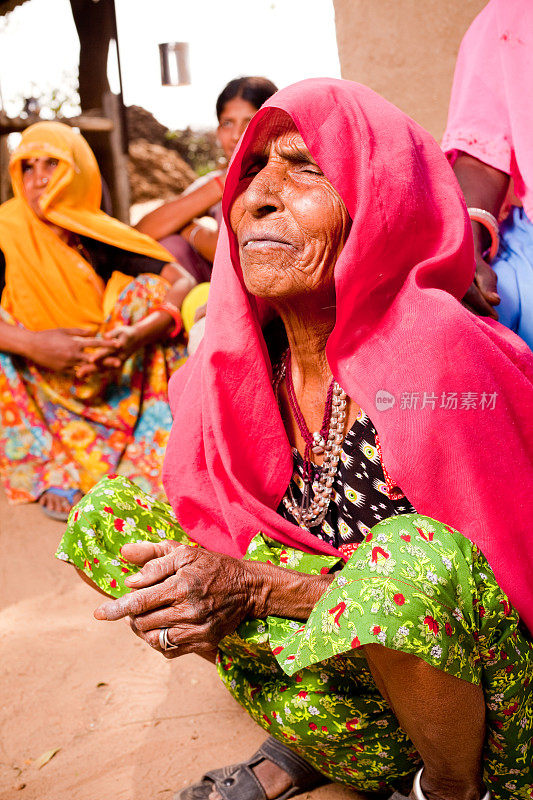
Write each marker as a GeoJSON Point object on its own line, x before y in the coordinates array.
{"type": "Point", "coordinates": [272, 778]}
{"type": "Point", "coordinates": [54, 502]}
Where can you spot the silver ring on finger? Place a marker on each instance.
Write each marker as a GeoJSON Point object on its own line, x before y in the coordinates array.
{"type": "Point", "coordinates": [164, 641]}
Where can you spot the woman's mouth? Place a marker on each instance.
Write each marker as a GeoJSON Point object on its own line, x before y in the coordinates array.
{"type": "Point", "coordinates": [264, 242]}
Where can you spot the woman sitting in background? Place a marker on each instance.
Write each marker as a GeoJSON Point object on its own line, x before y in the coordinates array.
{"type": "Point", "coordinates": [374, 421]}
{"type": "Point", "coordinates": [87, 309]}
{"type": "Point", "coordinates": [174, 224]}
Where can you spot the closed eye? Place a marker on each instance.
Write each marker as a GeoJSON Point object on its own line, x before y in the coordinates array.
{"type": "Point", "coordinates": [312, 169]}
{"type": "Point", "coordinates": [252, 169]}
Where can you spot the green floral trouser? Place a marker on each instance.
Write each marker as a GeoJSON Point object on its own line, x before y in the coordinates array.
{"type": "Point", "coordinates": [414, 585]}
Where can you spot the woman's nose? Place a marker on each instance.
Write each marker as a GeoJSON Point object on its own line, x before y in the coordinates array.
{"type": "Point", "coordinates": [239, 130]}
{"type": "Point", "coordinates": [41, 174]}
{"type": "Point", "coordinates": [263, 195]}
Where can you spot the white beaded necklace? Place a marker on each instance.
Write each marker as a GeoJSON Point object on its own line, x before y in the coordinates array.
{"type": "Point", "coordinates": [312, 512]}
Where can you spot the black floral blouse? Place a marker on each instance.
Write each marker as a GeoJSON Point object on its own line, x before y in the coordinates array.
{"type": "Point", "coordinates": [360, 496]}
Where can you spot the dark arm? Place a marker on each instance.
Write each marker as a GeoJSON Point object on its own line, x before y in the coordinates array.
{"type": "Point", "coordinates": [483, 187]}
{"type": "Point", "coordinates": [203, 596]}
{"type": "Point", "coordinates": [203, 239]}
{"type": "Point", "coordinates": [156, 326]}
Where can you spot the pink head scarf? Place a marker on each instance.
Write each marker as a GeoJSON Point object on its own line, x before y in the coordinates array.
{"type": "Point", "coordinates": [490, 115]}
{"type": "Point", "coordinates": [400, 329]}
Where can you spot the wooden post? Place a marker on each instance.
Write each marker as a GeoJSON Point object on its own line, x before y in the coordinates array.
{"type": "Point", "coordinates": [118, 158]}
{"type": "Point", "coordinates": [96, 26]}
{"type": "Point", "coordinates": [5, 182]}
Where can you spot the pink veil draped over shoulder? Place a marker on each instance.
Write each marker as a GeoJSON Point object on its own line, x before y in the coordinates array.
{"type": "Point", "coordinates": [456, 428]}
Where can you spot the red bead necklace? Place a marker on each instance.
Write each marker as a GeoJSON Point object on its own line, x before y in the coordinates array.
{"type": "Point", "coordinates": [312, 441]}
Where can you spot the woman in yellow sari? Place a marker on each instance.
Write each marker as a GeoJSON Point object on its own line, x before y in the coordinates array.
{"type": "Point", "coordinates": [87, 313]}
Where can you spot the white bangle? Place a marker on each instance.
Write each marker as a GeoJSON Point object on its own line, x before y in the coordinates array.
{"type": "Point", "coordinates": [192, 235]}
{"type": "Point", "coordinates": [489, 222]}
{"type": "Point", "coordinates": [419, 794]}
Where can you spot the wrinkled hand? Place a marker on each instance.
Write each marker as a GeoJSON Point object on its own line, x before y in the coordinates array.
{"type": "Point", "coordinates": [63, 349]}
{"type": "Point", "coordinates": [482, 294]}
{"type": "Point", "coordinates": [200, 596]}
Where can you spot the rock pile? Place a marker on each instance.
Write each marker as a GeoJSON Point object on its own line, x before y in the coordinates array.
{"type": "Point", "coordinates": [162, 162]}
{"type": "Point", "coordinates": [156, 172]}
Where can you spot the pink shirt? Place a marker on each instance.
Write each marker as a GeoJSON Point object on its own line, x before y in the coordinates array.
{"type": "Point", "coordinates": [491, 113]}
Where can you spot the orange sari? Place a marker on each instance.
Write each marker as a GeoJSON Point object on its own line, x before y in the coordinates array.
{"type": "Point", "coordinates": [48, 283]}
{"type": "Point", "coordinates": [57, 430]}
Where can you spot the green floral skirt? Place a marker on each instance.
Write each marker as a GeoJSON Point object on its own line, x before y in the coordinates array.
{"type": "Point", "coordinates": [413, 585]}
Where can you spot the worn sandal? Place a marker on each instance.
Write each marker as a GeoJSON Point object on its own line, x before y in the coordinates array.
{"type": "Point", "coordinates": [238, 781]}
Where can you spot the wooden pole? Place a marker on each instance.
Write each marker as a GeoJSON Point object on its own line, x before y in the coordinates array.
{"type": "Point", "coordinates": [5, 182]}
{"type": "Point", "coordinates": [120, 178]}
{"type": "Point", "coordinates": [96, 26]}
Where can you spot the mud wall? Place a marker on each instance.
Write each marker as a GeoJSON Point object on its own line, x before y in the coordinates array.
{"type": "Point", "coordinates": [405, 50]}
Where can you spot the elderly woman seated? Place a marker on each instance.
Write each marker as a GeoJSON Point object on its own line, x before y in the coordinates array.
{"type": "Point", "coordinates": [351, 467]}
{"type": "Point", "coordinates": [88, 305]}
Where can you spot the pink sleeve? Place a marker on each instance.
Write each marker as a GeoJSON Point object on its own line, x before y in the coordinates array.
{"type": "Point", "coordinates": [478, 118]}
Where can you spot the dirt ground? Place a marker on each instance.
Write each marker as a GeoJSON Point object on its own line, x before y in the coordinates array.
{"type": "Point", "coordinates": [126, 723]}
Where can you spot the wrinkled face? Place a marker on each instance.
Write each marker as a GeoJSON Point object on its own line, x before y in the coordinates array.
{"type": "Point", "coordinates": [233, 121]}
{"type": "Point", "coordinates": [289, 221]}
{"type": "Point", "coordinates": [36, 174]}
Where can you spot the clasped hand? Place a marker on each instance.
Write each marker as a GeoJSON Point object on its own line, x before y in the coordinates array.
{"type": "Point", "coordinates": [200, 596]}
{"type": "Point", "coordinates": [67, 349]}
{"type": "Point", "coordinates": [115, 347]}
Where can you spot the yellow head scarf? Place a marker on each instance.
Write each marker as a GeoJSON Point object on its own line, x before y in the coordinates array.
{"type": "Point", "coordinates": [48, 284]}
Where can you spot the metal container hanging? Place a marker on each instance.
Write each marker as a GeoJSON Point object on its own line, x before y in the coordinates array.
{"type": "Point", "coordinates": [175, 64]}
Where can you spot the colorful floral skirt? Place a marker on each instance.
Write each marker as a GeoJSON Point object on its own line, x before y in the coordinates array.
{"type": "Point", "coordinates": [57, 430]}
{"type": "Point", "coordinates": [413, 585]}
